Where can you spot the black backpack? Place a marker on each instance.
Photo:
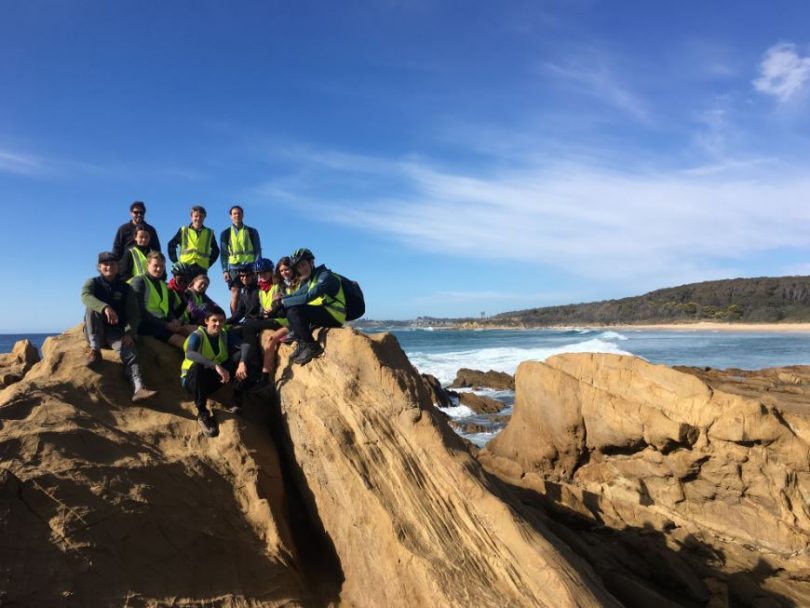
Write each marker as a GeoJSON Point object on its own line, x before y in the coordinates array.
{"type": "Point", "coordinates": [355, 302]}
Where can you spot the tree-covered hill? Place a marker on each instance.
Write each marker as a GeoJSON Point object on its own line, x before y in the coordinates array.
{"type": "Point", "coordinates": [757, 300]}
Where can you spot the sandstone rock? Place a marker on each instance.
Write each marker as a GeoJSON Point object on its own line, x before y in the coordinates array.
{"type": "Point", "coordinates": [479, 403]}
{"type": "Point", "coordinates": [413, 520]}
{"type": "Point", "coordinates": [711, 462]}
{"type": "Point", "coordinates": [14, 365]}
{"type": "Point", "coordinates": [440, 396]}
{"type": "Point", "coordinates": [103, 503]}
{"type": "Point", "coordinates": [472, 378]}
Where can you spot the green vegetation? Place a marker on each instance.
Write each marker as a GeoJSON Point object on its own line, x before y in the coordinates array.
{"type": "Point", "coordinates": [759, 300]}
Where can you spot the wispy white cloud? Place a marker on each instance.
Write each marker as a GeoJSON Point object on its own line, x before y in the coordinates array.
{"type": "Point", "coordinates": [637, 228]}
{"type": "Point", "coordinates": [593, 77]}
{"type": "Point", "coordinates": [21, 164]}
{"type": "Point", "coordinates": [784, 73]}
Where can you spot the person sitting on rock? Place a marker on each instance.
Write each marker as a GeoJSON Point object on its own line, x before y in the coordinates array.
{"type": "Point", "coordinates": [269, 292]}
{"type": "Point", "coordinates": [239, 244]}
{"type": "Point", "coordinates": [111, 319]}
{"type": "Point", "coordinates": [197, 301]}
{"type": "Point", "coordinates": [196, 242]}
{"type": "Point", "coordinates": [133, 262]}
{"type": "Point", "coordinates": [124, 236]}
{"type": "Point", "coordinates": [207, 366]}
{"type": "Point", "coordinates": [318, 302]}
{"type": "Point", "coordinates": [155, 301]}
{"type": "Point", "coordinates": [248, 306]}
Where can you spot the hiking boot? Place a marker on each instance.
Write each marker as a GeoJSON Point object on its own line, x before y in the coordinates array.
{"type": "Point", "coordinates": [93, 357]}
{"type": "Point", "coordinates": [208, 423]}
{"type": "Point", "coordinates": [142, 394]}
{"type": "Point", "coordinates": [308, 352]}
{"type": "Point", "coordinates": [297, 350]}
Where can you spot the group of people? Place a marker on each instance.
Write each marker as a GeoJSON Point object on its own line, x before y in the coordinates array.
{"type": "Point", "coordinates": [131, 297]}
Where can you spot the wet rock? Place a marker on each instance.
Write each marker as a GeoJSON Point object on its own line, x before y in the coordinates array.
{"type": "Point", "coordinates": [441, 397]}
{"type": "Point", "coordinates": [473, 378]}
{"type": "Point", "coordinates": [479, 403]}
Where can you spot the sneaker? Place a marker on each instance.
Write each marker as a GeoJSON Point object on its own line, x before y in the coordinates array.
{"type": "Point", "coordinates": [208, 423]}
{"type": "Point", "coordinates": [93, 357]}
{"type": "Point", "coordinates": [142, 394]}
{"type": "Point", "coordinates": [309, 352]}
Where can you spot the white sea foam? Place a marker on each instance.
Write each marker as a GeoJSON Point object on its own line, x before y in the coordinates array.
{"type": "Point", "coordinates": [480, 439]}
{"type": "Point", "coordinates": [458, 411]}
{"type": "Point", "coordinates": [503, 359]}
{"type": "Point", "coordinates": [612, 335]}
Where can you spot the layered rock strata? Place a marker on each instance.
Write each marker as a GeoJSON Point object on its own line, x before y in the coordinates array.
{"type": "Point", "coordinates": [707, 472]}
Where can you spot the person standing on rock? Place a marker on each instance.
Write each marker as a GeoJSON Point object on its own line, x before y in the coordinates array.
{"type": "Point", "coordinates": [111, 319]}
{"type": "Point", "coordinates": [207, 366]}
{"type": "Point", "coordinates": [196, 242]}
{"type": "Point", "coordinates": [318, 302]}
{"type": "Point", "coordinates": [125, 236]}
{"type": "Point", "coordinates": [239, 244]}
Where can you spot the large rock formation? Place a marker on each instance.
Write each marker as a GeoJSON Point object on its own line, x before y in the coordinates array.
{"type": "Point", "coordinates": [703, 477]}
{"type": "Point", "coordinates": [106, 503]}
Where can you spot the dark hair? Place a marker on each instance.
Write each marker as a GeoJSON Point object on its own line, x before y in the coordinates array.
{"type": "Point", "coordinates": [155, 255]}
{"type": "Point", "coordinates": [214, 310]}
{"type": "Point", "coordinates": [199, 209]}
{"type": "Point", "coordinates": [136, 204]}
{"type": "Point", "coordinates": [141, 228]}
{"type": "Point", "coordinates": [235, 207]}
{"type": "Point", "coordinates": [284, 261]}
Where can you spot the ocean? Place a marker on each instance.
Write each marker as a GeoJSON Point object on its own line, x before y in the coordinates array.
{"type": "Point", "coordinates": [442, 352]}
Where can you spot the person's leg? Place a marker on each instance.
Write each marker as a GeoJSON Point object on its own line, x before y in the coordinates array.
{"type": "Point", "coordinates": [177, 340]}
{"type": "Point", "coordinates": [132, 369]}
{"type": "Point", "coordinates": [270, 349]}
{"type": "Point", "coordinates": [94, 333]}
{"type": "Point", "coordinates": [234, 298]}
{"type": "Point", "coordinates": [201, 381]}
{"type": "Point", "coordinates": [303, 319]}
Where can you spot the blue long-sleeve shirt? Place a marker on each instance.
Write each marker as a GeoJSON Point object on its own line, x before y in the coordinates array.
{"type": "Point", "coordinates": [322, 283]}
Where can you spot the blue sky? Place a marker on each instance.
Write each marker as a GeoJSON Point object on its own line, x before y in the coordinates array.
{"type": "Point", "coordinates": [454, 157]}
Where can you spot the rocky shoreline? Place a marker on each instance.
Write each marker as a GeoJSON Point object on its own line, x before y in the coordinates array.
{"type": "Point", "coordinates": [616, 482]}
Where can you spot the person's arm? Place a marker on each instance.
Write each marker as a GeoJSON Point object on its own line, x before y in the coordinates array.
{"type": "Point", "coordinates": [133, 313]}
{"type": "Point", "coordinates": [90, 300]}
{"type": "Point", "coordinates": [125, 266]}
{"type": "Point", "coordinates": [241, 309]}
{"type": "Point", "coordinates": [257, 243]}
{"type": "Point", "coordinates": [173, 244]}
{"type": "Point", "coordinates": [118, 242]}
{"type": "Point", "coordinates": [214, 250]}
{"type": "Point", "coordinates": [193, 353]}
{"type": "Point", "coordinates": [224, 244]}
{"type": "Point", "coordinates": [154, 241]}
{"type": "Point", "coordinates": [326, 283]}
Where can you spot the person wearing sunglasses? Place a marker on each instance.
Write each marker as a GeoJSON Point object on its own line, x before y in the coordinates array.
{"type": "Point", "coordinates": [125, 236]}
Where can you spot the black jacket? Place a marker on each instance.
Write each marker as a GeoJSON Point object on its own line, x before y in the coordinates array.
{"type": "Point", "coordinates": [125, 238]}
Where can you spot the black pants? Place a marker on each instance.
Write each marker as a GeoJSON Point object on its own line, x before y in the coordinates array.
{"type": "Point", "coordinates": [303, 318]}
{"type": "Point", "coordinates": [251, 331]}
{"type": "Point", "coordinates": [202, 381]}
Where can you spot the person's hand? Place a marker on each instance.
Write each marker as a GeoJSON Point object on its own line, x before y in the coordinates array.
{"type": "Point", "coordinates": [241, 371]}
{"type": "Point", "coordinates": [173, 325]}
{"type": "Point", "coordinates": [111, 315]}
{"type": "Point", "coordinates": [226, 276]}
{"type": "Point", "coordinates": [127, 341]}
{"type": "Point", "coordinates": [224, 374]}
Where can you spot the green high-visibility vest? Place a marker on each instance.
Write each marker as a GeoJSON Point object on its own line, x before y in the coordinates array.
{"type": "Point", "coordinates": [205, 350]}
{"type": "Point", "coordinates": [335, 305]}
{"type": "Point", "coordinates": [240, 247]}
{"type": "Point", "coordinates": [266, 301]}
{"type": "Point", "coordinates": [195, 248]}
{"type": "Point", "coordinates": [138, 262]}
{"type": "Point", "coordinates": [157, 301]}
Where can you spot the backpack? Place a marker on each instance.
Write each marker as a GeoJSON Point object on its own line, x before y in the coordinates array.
{"type": "Point", "coordinates": [355, 302]}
